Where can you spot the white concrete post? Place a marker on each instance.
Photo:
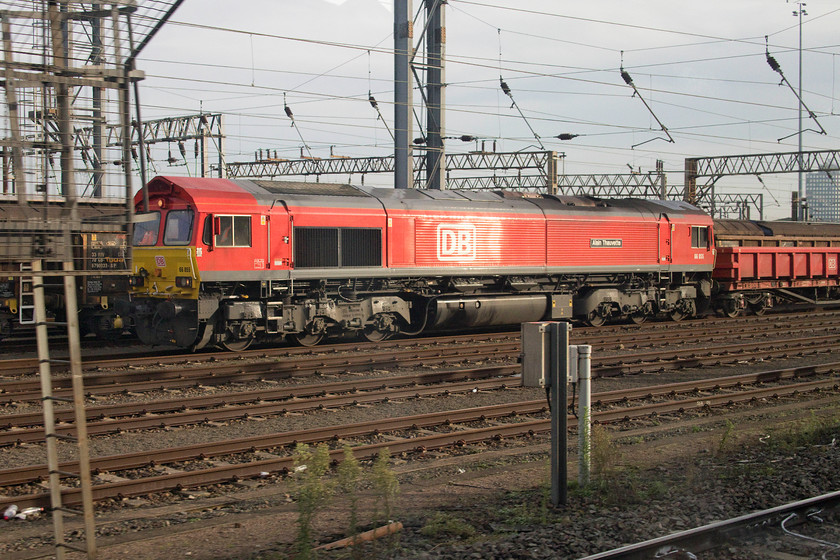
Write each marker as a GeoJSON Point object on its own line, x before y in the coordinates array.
{"type": "Point", "coordinates": [585, 411]}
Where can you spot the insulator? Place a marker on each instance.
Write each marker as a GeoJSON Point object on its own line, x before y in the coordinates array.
{"type": "Point", "coordinates": [195, 149]}
{"type": "Point", "coordinates": [466, 138]}
{"type": "Point", "coordinates": [288, 112]}
{"type": "Point", "coordinates": [505, 87]}
{"type": "Point", "coordinates": [182, 149]}
{"type": "Point", "coordinates": [567, 136]}
{"type": "Point", "coordinates": [773, 64]}
{"type": "Point", "coordinates": [420, 140]}
{"type": "Point", "coordinates": [134, 153]}
{"type": "Point", "coordinates": [373, 102]}
{"type": "Point", "coordinates": [626, 77]}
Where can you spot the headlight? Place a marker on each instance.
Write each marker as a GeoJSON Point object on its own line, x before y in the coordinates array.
{"type": "Point", "coordinates": [135, 281]}
{"type": "Point", "coordinates": [183, 281]}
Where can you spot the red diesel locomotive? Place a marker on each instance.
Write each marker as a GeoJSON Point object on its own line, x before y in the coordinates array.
{"type": "Point", "coordinates": [225, 262]}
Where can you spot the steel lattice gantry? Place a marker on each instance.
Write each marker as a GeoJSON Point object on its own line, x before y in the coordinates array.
{"type": "Point", "coordinates": [653, 186]}
{"type": "Point", "coordinates": [618, 185]}
{"type": "Point", "coordinates": [755, 164]}
{"type": "Point", "coordinates": [510, 170]}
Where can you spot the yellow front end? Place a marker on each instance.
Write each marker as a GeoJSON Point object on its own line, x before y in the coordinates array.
{"type": "Point", "coordinates": [164, 272]}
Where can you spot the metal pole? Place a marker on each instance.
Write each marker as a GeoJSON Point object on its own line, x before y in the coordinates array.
{"type": "Point", "coordinates": [403, 89]}
{"type": "Point", "coordinates": [222, 168]}
{"type": "Point", "coordinates": [800, 212]}
{"type": "Point", "coordinates": [435, 127]}
{"type": "Point", "coordinates": [559, 369]}
{"type": "Point", "coordinates": [98, 119]}
{"type": "Point", "coordinates": [584, 412]}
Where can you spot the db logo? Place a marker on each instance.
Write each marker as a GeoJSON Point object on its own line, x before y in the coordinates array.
{"type": "Point", "coordinates": [160, 261]}
{"type": "Point", "coordinates": [456, 242]}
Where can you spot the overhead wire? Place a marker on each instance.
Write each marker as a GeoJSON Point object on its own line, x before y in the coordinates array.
{"type": "Point", "coordinates": [316, 97]}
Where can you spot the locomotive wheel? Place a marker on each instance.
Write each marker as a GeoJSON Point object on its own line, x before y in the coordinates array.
{"type": "Point", "coordinates": [236, 345]}
{"type": "Point", "coordinates": [595, 319]}
{"type": "Point", "coordinates": [374, 335]}
{"type": "Point", "coordinates": [638, 318]}
{"type": "Point", "coordinates": [381, 328]}
{"type": "Point", "coordinates": [677, 316]}
{"type": "Point", "coordinates": [306, 339]}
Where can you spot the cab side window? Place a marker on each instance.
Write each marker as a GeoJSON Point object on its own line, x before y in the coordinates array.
{"type": "Point", "coordinates": [234, 231]}
{"type": "Point", "coordinates": [699, 237]}
{"type": "Point", "coordinates": [207, 230]}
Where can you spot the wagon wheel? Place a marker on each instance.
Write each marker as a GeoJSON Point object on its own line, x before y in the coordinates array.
{"type": "Point", "coordinates": [759, 305]}
{"type": "Point", "coordinates": [595, 319]}
{"type": "Point", "coordinates": [677, 315]}
{"type": "Point", "coordinates": [638, 318]}
{"type": "Point", "coordinates": [236, 345]}
{"type": "Point", "coordinates": [730, 309]}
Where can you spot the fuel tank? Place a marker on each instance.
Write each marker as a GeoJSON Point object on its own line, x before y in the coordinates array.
{"type": "Point", "coordinates": [487, 311]}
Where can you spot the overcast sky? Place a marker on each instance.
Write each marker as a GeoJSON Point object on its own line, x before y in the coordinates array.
{"type": "Point", "coordinates": [700, 65]}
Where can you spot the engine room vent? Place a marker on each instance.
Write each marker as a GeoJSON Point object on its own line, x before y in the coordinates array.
{"type": "Point", "coordinates": [318, 247]}
{"type": "Point", "coordinates": [361, 247]}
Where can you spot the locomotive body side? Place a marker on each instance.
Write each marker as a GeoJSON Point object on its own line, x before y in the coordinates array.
{"type": "Point", "coordinates": [313, 260]}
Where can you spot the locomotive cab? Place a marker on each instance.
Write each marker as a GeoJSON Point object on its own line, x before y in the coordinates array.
{"type": "Point", "coordinates": [164, 281]}
{"type": "Point", "coordinates": [201, 255]}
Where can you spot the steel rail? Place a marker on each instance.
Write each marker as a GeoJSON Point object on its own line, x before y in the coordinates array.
{"type": "Point", "coordinates": [228, 472]}
{"type": "Point", "coordinates": [242, 412]}
{"type": "Point", "coordinates": [716, 534]}
{"type": "Point", "coordinates": [107, 383]}
{"type": "Point", "coordinates": [264, 395]}
{"type": "Point", "coordinates": [197, 410]}
{"type": "Point", "coordinates": [28, 365]}
{"type": "Point", "coordinates": [610, 333]}
{"type": "Point", "coordinates": [255, 371]}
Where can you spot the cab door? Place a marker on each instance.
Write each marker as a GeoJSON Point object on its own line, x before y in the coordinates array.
{"type": "Point", "coordinates": [666, 234]}
{"type": "Point", "coordinates": [279, 237]}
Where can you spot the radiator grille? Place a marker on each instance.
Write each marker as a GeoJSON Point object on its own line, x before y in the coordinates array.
{"type": "Point", "coordinates": [317, 247]}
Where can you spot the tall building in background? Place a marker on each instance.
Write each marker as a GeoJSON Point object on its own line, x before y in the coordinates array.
{"type": "Point", "coordinates": [823, 196]}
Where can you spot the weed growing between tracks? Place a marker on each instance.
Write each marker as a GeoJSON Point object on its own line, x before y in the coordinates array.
{"type": "Point", "coordinates": [315, 488]}
{"type": "Point", "coordinates": [349, 479]}
{"type": "Point", "coordinates": [313, 492]}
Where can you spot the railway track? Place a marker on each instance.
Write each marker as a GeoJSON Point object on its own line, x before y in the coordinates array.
{"type": "Point", "coordinates": [28, 427]}
{"type": "Point", "coordinates": [207, 464]}
{"type": "Point", "coordinates": [401, 435]}
{"type": "Point", "coordinates": [740, 534]}
{"type": "Point", "coordinates": [27, 388]}
{"type": "Point", "coordinates": [624, 334]}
